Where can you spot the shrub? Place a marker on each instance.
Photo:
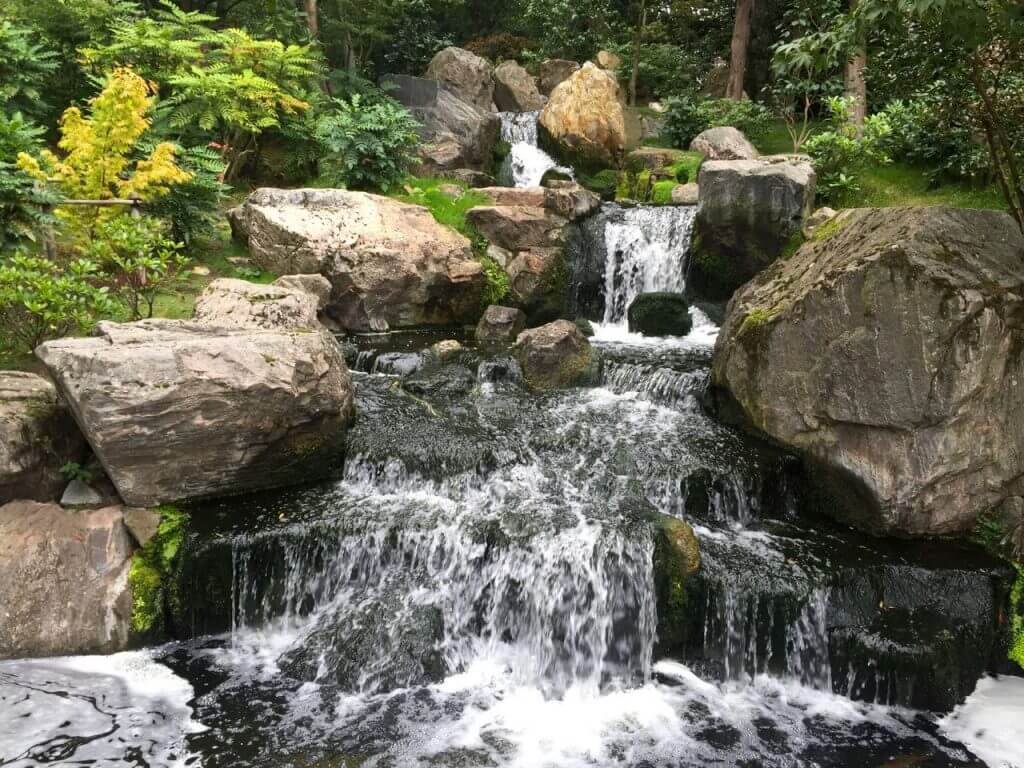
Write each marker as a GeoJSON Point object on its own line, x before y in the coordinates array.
{"type": "Point", "coordinates": [499, 47]}
{"type": "Point", "coordinates": [24, 203]}
{"type": "Point", "coordinates": [367, 146]}
{"type": "Point", "coordinates": [685, 117]}
{"type": "Point", "coordinates": [192, 208]}
{"type": "Point", "coordinates": [838, 154]}
{"type": "Point", "coordinates": [40, 300]}
{"type": "Point", "coordinates": [25, 67]}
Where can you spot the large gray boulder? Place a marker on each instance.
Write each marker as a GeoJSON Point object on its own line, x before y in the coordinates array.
{"type": "Point", "coordinates": [229, 303]}
{"type": "Point", "coordinates": [178, 410]}
{"type": "Point", "coordinates": [725, 143]}
{"type": "Point", "coordinates": [37, 437]}
{"type": "Point", "coordinates": [749, 212]}
{"type": "Point", "coordinates": [463, 73]}
{"type": "Point", "coordinates": [63, 580]}
{"type": "Point", "coordinates": [557, 355]}
{"type": "Point", "coordinates": [554, 72]}
{"type": "Point", "coordinates": [456, 135]}
{"type": "Point", "coordinates": [515, 90]}
{"type": "Point", "coordinates": [390, 264]}
{"type": "Point", "coordinates": [888, 350]}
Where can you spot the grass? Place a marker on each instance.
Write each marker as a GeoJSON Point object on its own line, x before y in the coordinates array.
{"type": "Point", "coordinates": [447, 209]}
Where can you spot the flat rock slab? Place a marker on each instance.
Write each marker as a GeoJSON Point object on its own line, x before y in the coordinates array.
{"type": "Point", "coordinates": [176, 410]}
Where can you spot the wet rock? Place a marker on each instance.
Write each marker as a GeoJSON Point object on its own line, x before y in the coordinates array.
{"type": "Point", "coordinates": [446, 349]}
{"type": "Point", "coordinates": [886, 350]}
{"type": "Point", "coordinates": [653, 159]}
{"type": "Point", "coordinates": [585, 326]}
{"type": "Point", "coordinates": [37, 438]}
{"type": "Point", "coordinates": [244, 409]}
{"type": "Point", "coordinates": [584, 118]}
{"type": "Point", "coordinates": [229, 303]}
{"type": "Point", "coordinates": [469, 177]}
{"type": "Point", "coordinates": [554, 72]}
{"type": "Point", "coordinates": [500, 325]}
{"type": "Point", "coordinates": [686, 194]}
{"type": "Point", "coordinates": [518, 227]}
{"type": "Point", "coordinates": [515, 90]}
{"type": "Point", "coordinates": [317, 286]}
{"type": "Point", "coordinates": [468, 76]}
{"type": "Point", "coordinates": [445, 382]}
{"type": "Point", "coordinates": [142, 523]}
{"type": "Point", "coordinates": [660, 314]}
{"type": "Point", "coordinates": [557, 355]}
{"type": "Point", "coordinates": [390, 264]}
{"type": "Point", "coordinates": [749, 212]}
{"type": "Point", "coordinates": [63, 580]}
{"type": "Point", "coordinates": [724, 143]}
{"type": "Point", "coordinates": [676, 561]}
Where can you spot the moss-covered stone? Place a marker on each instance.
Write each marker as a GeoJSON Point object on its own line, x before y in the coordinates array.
{"type": "Point", "coordinates": [676, 560]}
{"type": "Point", "coordinates": [660, 314]}
{"type": "Point", "coordinates": [150, 575]}
{"type": "Point", "coordinates": [1017, 619]}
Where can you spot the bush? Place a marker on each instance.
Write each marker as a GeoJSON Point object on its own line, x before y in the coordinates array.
{"type": "Point", "coordinates": [24, 203]}
{"type": "Point", "coordinates": [685, 117]}
{"type": "Point", "coordinates": [499, 47]}
{"type": "Point", "coordinates": [192, 208]}
{"type": "Point", "coordinates": [838, 154]}
{"type": "Point", "coordinates": [25, 68]}
{"type": "Point", "coordinates": [40, 300]}
{"type": "Point", "coordinates": [367, 146]}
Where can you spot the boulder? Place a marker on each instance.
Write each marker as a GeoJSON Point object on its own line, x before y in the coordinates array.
{"type": "Point", "coordinates": [500, 324]}
{"type": "Point", "coordinates": [608, 60]}
{"type": "Point", "coordinates": [466, 75]}
{"type": "Point", "coordinates": [554, 72]}
{"type": "Point", "coordinates": [390, 264]}
{"type": "Point", "coordinates": [749, 212]}
{"type": "Point", "coordinates": [887, 351]}
{"type": "Point", "coordinates": [515, 90]}
{"type": "Point", "coordinates": [469, 177]}
{"type": "Point", "coordinates": [229, 303]}
{"type": "Point", "coordinates": [456, 135]}
{"type": "Point", "coordinates": [37, 437]}
{"type": "Point", "coordinates": [317, 286]}
{"type": "Point", "coordinates": [653, 159]}
{"type": "Point", "coordinates": [724, 144]}
{"type": "Point", "coordinates": [659, 314]}
{"type": "Point", "coordinates": [686, 194]}
{"type": "Point", "coordinates": [178, 410]}
{"type": "Point", "coordinates": [518, 227]}
{"type": "Point", "coordinates": [818, 219]}
{"type": "Point", "coordinates": [63, 580]}
{"type": "Point", "coordinates": [536, 280]}
{"type": "Point", "coordinates": [568, 200]}
{"type": "Point", "coordinates": [557, 355]}
{"type": "Point", "coordinates": [583, 120]}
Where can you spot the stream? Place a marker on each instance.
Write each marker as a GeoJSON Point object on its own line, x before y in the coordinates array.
{"type": "Point", "coordinates": [478, 589]}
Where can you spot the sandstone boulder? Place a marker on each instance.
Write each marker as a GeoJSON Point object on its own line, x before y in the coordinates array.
{"type": "Point", "coordinates": [468, 76]}
{"type": "Point", "coordinates": [37, 437]}
{"type": "Point", "coordinates": [515, 90]}
{"type": "Point", "coordinates": [554, 72]}
{"type": "Point", "coordinates": [557, 355]}
{"type": "Point", "coordinates": [390, 264]}
{"type": "Point", "coordinates": [724, 144]}
{"type": "Point", "coordinates": [317, 286]}
{"type": "Point", "coordinates": [749, 211]}
{"type": "Point", "coordinates": [887, 350]}
{"type": "Point", "coordinates": [228, 303]}
{"type": "Point", "coordinates": [584, 119]}
{"type": "Point", "coordinates": [518, 227]}
{"type": "Point", "coordinates": [63, 580]}
{"type": "Point", "coordinates": [686, 194]}
{"type": "Point", "coordinates": [608, 60]}
{"type": "Point", "coordinates": [500, 325]}
{"type": "Point", "coordinates": [178, 410]}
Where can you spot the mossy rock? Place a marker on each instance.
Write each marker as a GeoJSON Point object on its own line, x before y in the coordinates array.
{"type": "Point", "coordinates": [660, 314]}
{"type": "Point", "coordinates": [603, 183]}
{"type": "Point", "coordinates": [676, 560]}
{"type": "Point", "coordinates": [151, 575]}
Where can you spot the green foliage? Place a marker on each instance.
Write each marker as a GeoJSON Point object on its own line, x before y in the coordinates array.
{"type": "Point", "coordinates": [72, 470]}
{"type": "Point", "coordinates": [571, 29]}
{"type": "Point", "coordinates": [661, 192]}
{"type": "Point", "coordinates": [24, 203]}
{"type": "Point", "coordinates": [366, 145]}
{"type": "Point", "coordinates": [603, 183]}
{"type": "Point", "coordinates": [499, 47]}
{"type": "Point", "coordinates": [192, 208]}
{"type": "Point", "coordinates": [498, 286]}
{"type": "Point", "coordinates": [839, 155]}
{"type": "Point", "coordinates": [41, 300]}
{"type": "Point", "coordinates": [151, 570]}
{"type": "Point", "coordinates": [413, 37]}
{"type": "Point", "coordinates": [25, 67]}
{"type": "Point", "coordinates": [1017, 619]}
{"type": "Point", "coordinates": [685, 117]}
{"type": "Point", "coordinates": [446, 209]}
{"type": "Point", "coordinates": [137, 259]}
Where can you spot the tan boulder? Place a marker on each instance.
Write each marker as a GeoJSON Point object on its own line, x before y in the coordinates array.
{"type": "Point", "coordinates": [554, 72]}
{"type": "Point", "coordinates": [608, 60]}
{"type": "Point", "coordinates": [228, 303]}
{"type": "Point", "coordinates": [557, 355]}
{"type": "Point", "coordinates": [63, 580]}
{"type": "Point", "coordinates": [468, 76]}
{"type": "Point", "coordinates": [584, 117]}
{"type": "Point", "coordinates": [515, 90]}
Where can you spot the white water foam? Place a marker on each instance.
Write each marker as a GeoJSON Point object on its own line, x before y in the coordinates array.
{"type": "Point", "coordinates": [527, 163]}
{"type": "Point", "coordinates": [991, 722]}
{"type": "Point", "coordinates": [92, 708]}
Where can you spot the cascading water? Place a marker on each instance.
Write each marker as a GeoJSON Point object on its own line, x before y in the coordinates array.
{"type": "Point", "coordinates": [526, 163]}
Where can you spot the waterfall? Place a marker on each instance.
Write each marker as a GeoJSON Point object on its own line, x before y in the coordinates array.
{"type": "Point", "coordinates": [645, 251]}
{"type": "Point", "coordinates": [526, 163]}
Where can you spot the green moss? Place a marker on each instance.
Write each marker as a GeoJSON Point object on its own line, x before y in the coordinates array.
{"type": "Point", "coordinates": [829, 229]}
{"type": "Point", "coordinates": [686, 168]}
{"type": "Point", "coordinates": [662, 194]}
{"type": "Point", "coordinates": [793, 245]}
{"type": "Point", "coordinates": [676, 559]}
{"type": "Point", "coordinates": [151, 569]}
{"type": "Point", "coordinates": [756, 319]}
{"type": "Point", "coordinates": [602, 183]}
{"type": "Point", "coordinates": [1017, 619]}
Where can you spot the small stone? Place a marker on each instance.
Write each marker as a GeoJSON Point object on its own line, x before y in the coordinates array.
{"type": "Point", "coordinates": [142, 523]}
{"type": "Point", "coordinates": [725, 143]}
{"type": "Point", "coordinates": [201, 271]}
{"type": "Point", "coordinates": [500, 325]}
{"type": "Point", "coordinates": [685, 194]}
{"type": "Point", "coordinates": [816, 219]}
{"type": "Point", "coordinates": [78, 494]}
{"type": "Point", "coordinates": [443, 350]}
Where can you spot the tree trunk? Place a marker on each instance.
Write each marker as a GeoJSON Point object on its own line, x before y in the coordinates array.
{"type": "Point", "coordinates": [856, 86]}
{"type": "Point", "coordinates": [312, 19]}
{"type": "Point", "coordinates": [638, 38]}
{"type": "Point", "coordinates": [740, 41]}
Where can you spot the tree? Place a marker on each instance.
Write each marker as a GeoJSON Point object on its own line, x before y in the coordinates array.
{"type": "Point", "coordinates": [856, 85]}
{"type": "Point", "coordinates": [638, 39]}
{"type": "Point", "coordinates": [740, 41]}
